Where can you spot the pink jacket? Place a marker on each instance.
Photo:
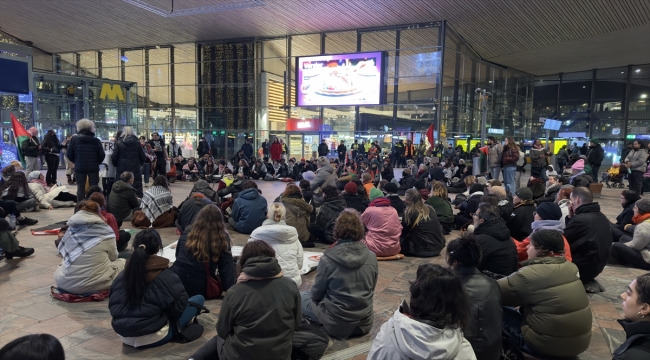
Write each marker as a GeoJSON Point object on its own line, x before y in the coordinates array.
{"type": "Point", "coordinates": [384, 228]}
{"type": "Point", "coordinates": [647, 172]}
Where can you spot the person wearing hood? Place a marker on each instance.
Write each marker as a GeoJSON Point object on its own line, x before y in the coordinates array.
{"type": "Point", "coordinates": [431, 324]}
{"type": "Point", "coordinates": [123, 200]}
{"type": "Point", "coordinates": [341, 298]}
{"type": "Point", "coordinates": [86, 152]}
{"type": "Point", "coordinates": [628, 199]}
{"type": "Point", "coordinates": [298, 213]}
{"type": "Point", "coordinates": [553, 185]}
{"type": "Point", "coordinates": [189, 209]}
{"type": "Point", "coordinates": [636, 162]}
{"type": "Point", "coordinates": [595, 157]}
{"type": "Point", "coordinates": [635, 251]}
{"type": "Point", "coordinates": [49, 197]}
{"type": "Point", "coordinates": [406, 182]}
{"type": "Point", "coordinates": [174, 150]}
{"type": "Point", "coordinates": [522, 214]}
{"type": "Point", "coordinates": [636, 322]}
{"type": "Point", "coordinates": [395, 201]}
{"type": "Point", "coordinates": [547, 217]}
{"type": "Point", "coordinates": [203, 187]}
{"type": "Point", "coordinates": [587, 231]}
{"type": "Point", "coordinates": [284, 241]}
{"type": "Point", "coordinates": [248, 210]}
{"type": "Point", "coordinates": [382, 224]}
{"type": "Point", "coordinates": [352, 199]}
{"type": "Point", "coordinates": [499, 251]}
{"type": "Point", "coordinates": [484, 326]}
{"type": "Point", "coordinates": [147, 301]}
{"type": "Point", "coordinates": [469, 206]}
{"type": "Point", "coordinates": [333, 204]}
{"type": "Point", "coordinates": [325, 175]}
{"type": "Point", "coordinates": [89, 252]}
{"type": "Point", "coordinates": [422, 234]}
{"type": "Point", "coordinates": [128, 155]}
{"type": "Point", "coordinates": [579, 177]}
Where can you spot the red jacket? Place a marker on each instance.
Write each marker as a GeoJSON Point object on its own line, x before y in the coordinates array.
{"type": "Point", "coordinates": [110, 221]}
{"type": "Point", "coordinates": [276, 151]}
{"type": "Point", "coordinates": [384, 228]}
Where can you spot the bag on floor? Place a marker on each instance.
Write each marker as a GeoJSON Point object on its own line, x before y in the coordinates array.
{"type": "Point", "coordinates": [140, 220]}
{"type": "Point", "coordinates": [193, 330]}
{"type": "Point", "coordinates": [308, 342]}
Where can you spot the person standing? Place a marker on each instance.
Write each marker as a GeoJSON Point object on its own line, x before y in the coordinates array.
{"type": "Point", "coordinates": [247, 148]}
{"type": "Point", "coordinates": [276, 150]}
{"type": "Point", "coordinates": [342, 150]}
{"type": "Point", "coordinates": [538, 159]}
{"type": "Point", "coordinates": [562, 158]}
{"type": "Point", "coordinates": [203, 148]}
{"type": "Point", "coordinates": [266, 147]}
{"type": "Point", "coordinates": [31, 149]}
{"type": "Point", "coordinates": [323, 149]}
{"type": "Point", "coordinates": [52, 149]}
{"type": "Point", "coordinates": [595, 157]}
{"type": "Point", "coordinates": [409, 150]}
{"type": "Point", "coordinates": [509, 163]}
{"type": "Point", "coordinates": [495, 151]}
{"type": "Point", "coordinates": [86, 152]}
{"type": "Point", "coordinates": [355, 149]}
{"type": "Point", "coordinates": [69, 165]}
{"type": "Point", "coordinates": [128, 155]}
{"type": "Point", "coordinates": [174, 149]}
{"type": "Point", "coordinates": [636, 162]}
{"type": "Point", "coordinates": [158, 146]}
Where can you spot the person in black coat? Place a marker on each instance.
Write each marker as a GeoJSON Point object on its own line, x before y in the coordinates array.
{"type": "Point", "coordinates": [422, 233]}
{"type": "Point", "coordinates": [51, 148]}
{"type": "Point", "coordinates": [247, 148]}
{"type": "Point", "coordinates": [406, 182]}
{"type": "Point", "coordinates": [387, 171]}
{"type": "Point", "coordinates": [86, 152]}
{"type": "Point", "coordinates": [352, 200]}
{"type": "Point", "coordinates": [553, 186]}
{"type": "Point", "coordinates": [628, 199]}
{"type": "Point", "coordinates": [128, 155]}
{"type": "Point", "coordinates": [523, 214]}
{"type": "Point", "coordinates": [469, 206]}
{"type": "Point", "coordinates": [323, 149]}
{"type": "Point", "coordinates": [188, 210]}
{"type": "Point", "coordinates": [147, 301]}
{"type": "Point", "coordinates": [499, 251]}
{"type": "Point", "coordinates": [484, 325]}
{"type": "Point", "coordinates": [595, 157]}
{"type": "Point", "coordinates": [207, 229]}
{"type": "Point", "coordinates": [636, 308]}
{"type": "Point", "coordinates": [395, 201]}
{"type": "Point", "coordinates": [437, 173]}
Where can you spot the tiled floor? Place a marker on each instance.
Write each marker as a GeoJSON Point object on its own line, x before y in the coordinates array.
{"type": "Point", "coordinates": [85, 331]}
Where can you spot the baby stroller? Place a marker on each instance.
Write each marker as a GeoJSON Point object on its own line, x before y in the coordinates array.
{"type": "Point", "coordinates": [615, 175]}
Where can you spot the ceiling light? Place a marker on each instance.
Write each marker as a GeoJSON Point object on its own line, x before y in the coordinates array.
{"type": "Point", "coordinates": [622, 72]}
{"type": "Point", "coordinates": [643, 96]}
{"type": "Point", "coordinates": [637, 70]}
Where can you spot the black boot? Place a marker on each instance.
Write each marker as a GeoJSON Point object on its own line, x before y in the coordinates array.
{"type": "Point", "coordinates": [20, 252]}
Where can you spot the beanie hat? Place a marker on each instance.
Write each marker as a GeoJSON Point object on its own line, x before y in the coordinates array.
{"type": "Point", "coordinates": [309, 175]}
{"type": "Point", "coordinates": [390, 187]}
{"type": "Point", "coordinates": [406, 171]}
{"type": "Point", "coordinates": [549, 211]}
{"type": "Point", "coordinates": [33, 175]}
{"type": "Point", "coordinates": [578, 165]}
{"type": "Point", "coordinates": [375, 193]}
{"type": "Point", "coordinates": [643, 205]}
{"type": "Point", "coordinates": [475, 187]}
{"type": "Point", "coordinates": [481, 180]}
{"type": "Point", "coordinates": [524, 193]}
{"type": "Point", "coordinates": [548, 240]}
{"type": "Point", "coordinates": [350, 188]}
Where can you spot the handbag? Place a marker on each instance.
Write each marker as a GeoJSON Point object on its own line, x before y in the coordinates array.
{"type": "Point", "coordinates": [213, 289]}
{"type": "Point", "coordinates": [140, 220]}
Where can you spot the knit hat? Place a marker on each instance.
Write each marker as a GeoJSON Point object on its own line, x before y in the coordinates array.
{"type": "Point", "coordinates": [406, 171]}
{"type": "Point", "coordinates": [309, 175]}
{"type": "Point", "coordinates": [549, 211]}
{"type": "Point", "coordinates": [643, 205]}
{"type": "Point", "coordinates": [375, 193]}
{"type": "Point", "coordinates": [549, 240]}
{"type": "Point", "coordinates": [578, 165]}
{"type": "Point", "coordinates": [33, 175]}
{"type": "Point", "coordinates": [481, 180]}
{"type": "Point", "coordinates": [350, 188]}
{"type": "Point", "coordinates": [524, 193]}
{"type": "Point", "coordinates": [390, 188]}
{"type": "Point", "coordinates": [476, 187]}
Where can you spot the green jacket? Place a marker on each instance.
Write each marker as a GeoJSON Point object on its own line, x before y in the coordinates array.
{"type": "Point", "coordinates": [556, 313]}
{"type": "Point", "coordinates": [443, 209]}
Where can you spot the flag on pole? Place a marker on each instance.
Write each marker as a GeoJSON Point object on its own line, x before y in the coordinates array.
{"type": "Point", "coordinates": [430, 135]}
{"type": "Point", "coordinates": [20, 135]}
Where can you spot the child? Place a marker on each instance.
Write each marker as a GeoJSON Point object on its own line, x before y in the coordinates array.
{"type": "Point", "coordinates": [9, 243]}
{"type": "Point", "coordinates": [307, 194]}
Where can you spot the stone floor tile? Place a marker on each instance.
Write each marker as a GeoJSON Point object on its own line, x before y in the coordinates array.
{"type": "Point", "coordinates": [86, 354]}
{"type": "Point", "coordinates": [59, 326]}
{"type": "Point", "coordinates": [10, 322]}
{"type": "Point", "coordinates": [40, 311]}
{"type": "Point", "coordinates": [83, 335]}
{"type": "Point", "coordinates": [613, 337]}
{"type": "Point", "coordinates": [108, 343]}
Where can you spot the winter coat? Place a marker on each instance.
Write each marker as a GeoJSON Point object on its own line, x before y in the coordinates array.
{"type": "Point", "coordinates": [494, 152]}
{"type": "Point", "coordinates": [641, 240]}
{"type": "Point", "coordinates": [45, 198]}
{"type": "Point", "coordinates": [325, 176]}
{"type": "Point", "coordinates": [383, 228]}
{"type": "Point", "coordinates": [188, 210]}
{"type": "Point", "coordinates": [249, 211]}
{"type": "Point", "coordinates": [298, 215]}
{"type": "Point", "coordinates": [96, 268]}
{"type": "Point", "coordinates": [51, 146]}
{"type": "Point", "coordinates": [128, 155]}
{"type": "Point", "coordinates": [471, 204]}
{"type": "Point", "coordinates": [556, 314]}
{"type": "Point", "coordinates": [625, 217]}
{"type": "Point", "coordinates": [581, 180]}
{"type": "Point", "coordinates": [288, 250]}
{"type": "Point", "coordinates": [355, 202]}
{"type": "Point", "coordinates": [192, 272]}
{"type": "Point", "coordinates": [425, 236]}
{"type": "Point", "coordinates": [637, 158]}
{"type": "Point", "coordinates": [30, 147]}
{"type": "Point", "coordinates": [590, 237]}
{"type": "Point", "coordinates": [164, 300]}
{"type": "Point", "coordinates": [86, 152]}
{"type": "Point", "coordinates": [327, 215]}
{"type": "Point", "coordinates": [396, 203]}
{"type": "Point", "coordinates": [549, 194]}
{"type": "Point", "coordinates": [276, 151]}
{"type": "Point", "coordinates": [484, 328]}
{"type": "Point", "coordinates": [437, 173]}
{"type": "Point", "coordinates": [323, 149]}
{"type": "Point", "coordinates": [505, 209]}
{"type": "Point", "coordinates": [443, 209]}
{"type": "Point", "coordinates": [204, 188]}
{"type": "Point", "coordinates": [510, 156]}
{"type": "Point", "coordinates": [405, 183]}
{"type": "Point", "coordinates": [233, 189]}
{"type": "Point", "coordinates": [344, 287]}
{"type": "Point", "coordinates": [537, 158]}
{"type": "Point", "coordinates": [122, 200]}
{"type": "Point", "coordinates": [637, 343]}
{"type": "Point", "coordinates": [248, 150]}
{"type": "Point", "coordinates": [499, 251]}
{"type": "Point", "coordinates": [406, 337]}
{"type": "Point", "coordinates": [596, 155]}
{"type": "Point", "coordinates": [520, 220]}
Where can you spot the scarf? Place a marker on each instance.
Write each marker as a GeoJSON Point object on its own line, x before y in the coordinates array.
{"type": "Point", "coordinates": [525, 202]}
{"type": "Point", "coordinates": [551, 188]}
{"type": "Point", "coordinates": [43, 183]}
{"type": "Point", "coordinates": [576, 175]}
{"type": "Point", "coordinates": [228, 179]}
{"type": "Point", "coordinates": [156, 201]}
{"type": "Point", "coordinates": [80, 237]}
{"type": "Point", "coordinates": [637, 219]}
{"type": "Point", "coordinates": [547, 225]}
{"type": "Point", "coordinates": [243, 277]}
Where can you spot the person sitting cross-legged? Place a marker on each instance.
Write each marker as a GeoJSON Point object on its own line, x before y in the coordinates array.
{"type": "Point", "coordinates": [382, 224]}
{"type": "Point", "coordinates": [624, 218]}
{"type": "Point", "coordinates": [422, 233]}
{"type": "Point", "coordinates": [547, 217]}
{"type": "Point", "coordinates": [635, 251]}
{"type": "Point", "coordinates": [333, 204]}
{"type": "Point", "coordinates": [522, 214]}
{"type": "Point", "coordinates": [123, 200]}
{"type": "Point", "coordinates": [499, 251]}
{"type": "Point", "coordinates": [439, 201]}
{"type": "Point", "coordinates": [249, 209]}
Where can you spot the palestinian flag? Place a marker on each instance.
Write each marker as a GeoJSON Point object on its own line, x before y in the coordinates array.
{"type": "Point", "coordinates": [20, 135]}
{"type": "Point", "coordinates": [484, 156]}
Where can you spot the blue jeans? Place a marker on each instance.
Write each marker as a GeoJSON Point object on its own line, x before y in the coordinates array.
{"type": "Point", "coordinates": [495, 171]}
{"type": "Point", "coordinates": [187, 316]}
{"type": "Point", "coordinates": [509, 178]}
{"type": "Point", "coordinates": [306, 307]}
{"type": "Point", "coordinates": [146, 170]}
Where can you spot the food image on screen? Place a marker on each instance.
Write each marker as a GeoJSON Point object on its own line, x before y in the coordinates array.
{"type": "Point", "coordinates": [348, 79]}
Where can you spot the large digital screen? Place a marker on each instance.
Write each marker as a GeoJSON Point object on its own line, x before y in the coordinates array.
{"type": "Point", "coordinates": [551, 124]}
{"type": "Point", "coordinates": [14, 76]}
{"type": "Point", "coordinates": [339, 80]}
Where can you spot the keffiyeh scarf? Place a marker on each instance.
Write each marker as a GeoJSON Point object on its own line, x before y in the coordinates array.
{"type": "Point", "coordinates": [156, 201]}
{"type": "Point", "coordinates": [81, 237]}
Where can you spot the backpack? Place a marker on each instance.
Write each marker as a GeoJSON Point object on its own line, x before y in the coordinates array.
{"type": "Point", "coordinates": [522, 159]}
{"type": "Point", "coordinates": [308, 342]}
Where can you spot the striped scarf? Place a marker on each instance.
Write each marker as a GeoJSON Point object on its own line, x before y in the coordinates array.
{"type": "Point", "coordinates": [156, 201]}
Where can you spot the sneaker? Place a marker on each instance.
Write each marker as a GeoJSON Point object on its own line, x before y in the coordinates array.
{"type": "Point", "coordinates": [20, 252]}
{"type": "Point", "coordinates": [26, 221]}
{"type": "Point", "coordinates": [308, 244]}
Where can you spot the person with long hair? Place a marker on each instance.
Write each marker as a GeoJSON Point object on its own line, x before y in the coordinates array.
{"type": "Point", "coordinates": [158, 203]}
{"type": "Point", "coordinates": [51, 148]}
{"type": "Point", "coordinates": [431, 324]}
{"type": "Point", "coordinates": [49, 197]}
{"type": "Point", "coordinates": [628, 199]}
{"type": "Point", "coordinates": [422, 234]}
{"type": "Point", "coordinates": [509, 164]}
{"type": "Point", "coordinates": [538, 159]}
{"type": "Point", "coordinates": [128, 155]}
{"type": "Point", "coordinates": [439, 201]}
{"type": "Point", "coordinates": [205, 244]}
{"type": "Point", "coordinates": [298, 212]}
{"type": "Point", "coordinates": [189, 209]}
{"type": "Point", "coordinates": [635, 251]}
{"type": "Point", "coordinates": [33, 347]}
{"type": "Point", "coordinates": [17, 189]}
{"type": "Point", "coordinates": [276, 150]}
{"type": "Point", "coordinates": [636, 322]}
{"type": "Point", "coordinates": [89, 251]}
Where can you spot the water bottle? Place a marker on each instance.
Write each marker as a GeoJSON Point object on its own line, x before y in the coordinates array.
{"type": "Point", "coordinates": [12, 221]}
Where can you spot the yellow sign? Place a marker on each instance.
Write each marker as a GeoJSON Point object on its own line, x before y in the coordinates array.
{"type": "Point", "coordinates": [111, 93]}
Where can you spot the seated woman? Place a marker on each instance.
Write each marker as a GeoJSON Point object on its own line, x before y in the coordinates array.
{"type": "Point", "coordinates": [504, 204]}
{"type": "Point", "coordinates": [548, 288]}
{"type": "Point", "coordinates": [469, 206]}
{"type": "Point", "coordinates": [284, 241]}
{"type": "Point", "coordinates": [563, 201]}
{"type": "Point", "coordinates": [422, 234]}
{"type": "Point", "coordinates": [367, 180]}
{"type": "Point", "coordinates": [438, 200]}
{"type": "Point", "coordinates": [190, 170]}
{"type": "Point", "coordinates": [89, 252]}
{"type": "Point", "coordinates": [121, 237]}
{"type": "Point", "coordinates": [208, 169]}
{"type": "Point", "coordinates": [158, 204]}
{"type": "Point", "coordinates": [147, 301]}
{"type": "Point", "coordinates": [248, 210]}
{"type": "Point", "coordinates": [431, 324]}
{"type": "Point", "coordinates": [7, 171]}
{"type": "Point", "coordinates": [204, 188]}
{"type": "Point", "coordinates": [292, 171]}
{"type": "Point", "coordinates": [628, 199]}
{"type": "Point", "coordinates": [352, 198]}
{"type": "Point", "coordinates": [395, 201]}
{"type": "Point", "coordinates": [220, 169]}
{"type": "Point", "coordinates": [382, 224]}
{"type": "Point", "coordinates": [49, 197]}
{"type": "Point", "coordinates": [483, 330]}
{"type": "Point", "coordinates": [189, 209]}
{"type": "Point", "coordinates": [422, 173]}
{"type": "Point", "coordinates": [462, 186]}
{"type": "Point", "coordinates": [636, 324]}
{"type": "Point", "coordinates": [17, 189]}
{"type": "Point", "coordinates": [242, 169]}
{"type": "Point", "coordinates": [635, 251]}
{"type": "Point", "coordinates": [123, 200]}
{"type": "Point", "coordinates": [298, 212]}
{"type": "Point", "coordinates": [333, 204]}
{"type": "Point", "coordinates": [226, 180]}
{"type": "Point", "coordinates": [342, 295]}
{"type": "Point", "coordinates": [204, 245]}
{"type": "Point", "coordinates": [258, 171]}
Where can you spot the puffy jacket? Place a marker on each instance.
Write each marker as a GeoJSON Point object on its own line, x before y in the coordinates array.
{"type": "Point", "coordinates": [327, 215]}
{"type": "Point", "coordinates": [288, 250]}
{"type": "Point", "coordinates": [484, 326]}
{"type": "Point", "coordinates": [406, 337]}
{"type": "Point", "coordinates": [471, 204]}
{"type": "Point", "coordinates": [641, 240]}
{"type": "Point", "coordinates": [323, 149]}
{"type": "Point", "coordinates": [344, 287]}
{"type": "Point", "coordinates": [249, 211]}
{"type": "Point", "coordinates": [437, 173]}
{"type": "Point", "coordinates": [325, 176]}
{"type": "Point", "coordinates": [590, 237]}
{"type": "Point", "coordinates": [355, 202]}
{"type": "Point", "coordinates": [426, 236]}
{"type": "Point", "coordinates": [549, 194]}
{"type": "Point", "coordinates": [556, 314]}
{"type": "Point", "coordinates": [637, 158]}
{"type": "Point", "coordinates": [383, 228]}
{"type": "Point", "coordinates": [86, 152]}
{"type": "Point", "coordinates": [46, 199]}
{"type": "Point", "coordinates": [595, 155]}
{"type": "Point", "coordinates": [637, 343]}
{"type": "Point", "coordinates": [493, 154]}
{"type": "Point", "coordinates": [258, 317]}
{"type": "Point", "coordinates": [396, 203]}
{"type": "Point", "coordinates": [522, 217]}
{"type": "Point", "coordinates": [499, 252]}
{"type": "Point", "coordinates": [128, 155]}
{"type": "Point", "coordinates": [510, 156]}
{"type": "Point", "coordinates": [581, 180]}
{"type": "Point", "coordinates": [537, 158]}
{"type": "Point", "coordinates": [188, 211]}
{"type": "Point", "coordinates": [443, 209]}
{"type": "Point", "coordinates": [164, 300]}
{"type": "Point", "coordinates": [30, 147]}
{"type": "Point", "coordinates": [298, 215]}
{"type": "Point", "coordinates": [122, 200]}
